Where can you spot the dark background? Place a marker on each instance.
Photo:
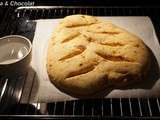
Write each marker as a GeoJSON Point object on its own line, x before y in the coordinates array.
{"type": "Point", "coordinates": [100, 2]}
{"type": "Point", "coordinates": [96, 2]}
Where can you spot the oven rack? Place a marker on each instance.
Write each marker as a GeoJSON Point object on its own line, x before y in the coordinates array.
{"type": "Point", "coordinates": [21, 21]}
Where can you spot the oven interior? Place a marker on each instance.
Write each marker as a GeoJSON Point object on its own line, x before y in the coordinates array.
{"type": "Point", "coordinates": [21, 21]}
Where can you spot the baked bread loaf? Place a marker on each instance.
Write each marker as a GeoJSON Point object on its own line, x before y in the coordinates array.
{"type": "Point", "coordinates": [87, 56]}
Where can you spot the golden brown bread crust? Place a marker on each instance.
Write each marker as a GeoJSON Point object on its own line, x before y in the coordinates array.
{"type": "Point", "coordinates": [86, 56]}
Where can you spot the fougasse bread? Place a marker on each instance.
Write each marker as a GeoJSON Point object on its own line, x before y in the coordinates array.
{"type": "Point", "coordinates": [87, 56]}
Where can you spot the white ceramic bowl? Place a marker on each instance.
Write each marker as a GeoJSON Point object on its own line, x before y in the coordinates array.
{"type": "Point", "coordinates": [15, 54]}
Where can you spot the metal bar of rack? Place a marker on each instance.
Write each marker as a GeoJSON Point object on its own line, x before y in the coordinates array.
{"type": "Point", "coordinates": [107, 108]}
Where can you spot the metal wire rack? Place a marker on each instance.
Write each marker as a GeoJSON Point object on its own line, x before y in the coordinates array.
{"type": "Point", "coordinates": [20, 21]}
